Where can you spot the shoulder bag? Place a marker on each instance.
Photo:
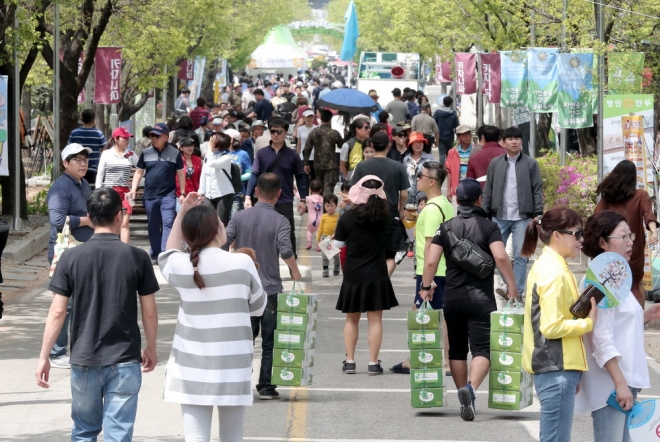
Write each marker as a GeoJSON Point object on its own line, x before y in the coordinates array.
{"type": "Point", "coordinates": [65, 240]}
{"type": "Point", "coordinates": [469, 256]}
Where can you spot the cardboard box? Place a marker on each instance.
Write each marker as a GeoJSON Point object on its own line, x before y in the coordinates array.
{"type": "Point", "coordinates": [298, 303]}
{"type": "Point", "coordinates": [505, 361]}
{"type": "Point", "coordinates": [285, 357]}
{"type": "Point", "coordinates": [510, 400]}
{"type": "Point", "coordinates": [430, 358]}
{"type": "Point", "coordinates": [293, 377]}
{"type": "Point", "coordinates": [295, 340]}
{"type": "Point", "coordinates": [427, 378]}
{"type": "Point", "coordinates": [510, 322]}
{"type": "Point", "coordinates": [426, 320]}
{"type": "Point", "coordinates": [419, 339]}
{"type": "Point", "coordinates": [510, 380]}
{"type": "Point", "coordinates": [428, 397]}
{"type": "Point", "coordinates": [302, 322]}
{"type": "Point", "coordinates": [503, 341]}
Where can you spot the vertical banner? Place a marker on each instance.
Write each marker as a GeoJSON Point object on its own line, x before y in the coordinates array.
{"type": "Point", "coordinates": [626, 70]}
{"type": "Point", "coordinates": [186, 70]}
{"type": "Point", "coordinates": [442, 71]}
{"type": "Point", "coordinates": [466, 73]}
{"type": "Point", "coordinates": [81, 95]}
{"type": "Point", "coordinates": [575, 86]}
{"type": "Point", "coordinates": [108, 75]}
{"type": "Point", "coordinates": [196, 85]}
{"type": "Point", "coordinates": [4, 122]}
{"type": "Point", "coordinates": [542, 79]}
{"type": "Point", "coordinates": [514, 78]}
{"type": "Point", "coordinates": [491, 84]}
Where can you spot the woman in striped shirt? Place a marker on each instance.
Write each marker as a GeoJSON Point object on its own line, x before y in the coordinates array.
{"type": "Point", "coordinates": [114, 171]}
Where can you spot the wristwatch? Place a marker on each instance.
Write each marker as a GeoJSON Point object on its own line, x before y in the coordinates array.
{"type": "Point", "coordinates": [426, 288]}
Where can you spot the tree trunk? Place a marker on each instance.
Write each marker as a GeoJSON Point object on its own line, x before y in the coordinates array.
{"type": "Point", "coordinates": [587, 141]}
{"type": "Point", "coordinates": [543, 133]}
{"type": "Point", "coordinates": [102, 122]}
{"type": "Point", "coordinates": [209, 80]}
{"type": "Point", "coordinates": [26, 105]}
{"type": "Point", "coordinates": [498, 115]}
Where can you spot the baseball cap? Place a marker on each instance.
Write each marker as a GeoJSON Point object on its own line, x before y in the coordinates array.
{"type": "Point", "coordinates": [300, 83]}
{"type": "Point", "coordinates": [337, 84]}
{"type": "Point", "coordinates": [463, 128]}
{"type": "Point", "coordinates": [204, 121]}
{"type": "Point", "coordinates": [73, 149]}
{"type": "Point", "coordinates": [468, 190]}
{"type": "Point", "coordinates": [185, 90]}
{"type": "Point", "coordinates": [121, 132]}
{"type": "Point", "coordinates": [308, 112]}
{"type": "Point", "coordinates": [217, 121]}
{"type": "Point", "coordinates": [257, 123]}
{"type": "Point", "coordinates": [160, 129]}
{"type": "Point", "coordinates": [417, 136]}
{"type": "Point", "coordinates": [380, 138]}
{"type": "Point", "coordinates": [233, 133]}
{"type": "Point", "coordinates": [373, 94]}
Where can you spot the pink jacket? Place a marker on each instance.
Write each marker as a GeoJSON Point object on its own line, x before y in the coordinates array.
{"type": "Point", "coordinates": [314, 211]}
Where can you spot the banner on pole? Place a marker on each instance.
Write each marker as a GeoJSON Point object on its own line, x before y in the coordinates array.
{"type": "Point", "coordinates": [442, 71]}
{"type": "Point", "coordinates": [626, 71]}
{"type": "Point", "coordinates": [4, 127]}
{"type": "Point", "coordinates": [514, 78]}
{"type": "Point", "coordinates": [107, 63]}
{"type": "Point", "coordinates": [542, 79]}
{"type": "Point", "coordinates": [186, 70]}
{"type": "Point", "coordinates": [196, 85]}
{"type": "Point", "coordinates": [466, 73]}
{"type": "Point", "coordinates": [491, 75]}
{"type": "Point", "coordinates": [575, 87]}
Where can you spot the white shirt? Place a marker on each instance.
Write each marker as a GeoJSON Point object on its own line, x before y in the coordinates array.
{"type": "Point", "coordinates": [246, 98]}
{"type": "Point", "coordinates": [214, 182]}
{"type": "Point", "coordinates": [115, 170]}
{"type": "Point", "coordinates": [303, 133]}
{"type": "Point", "coordinates": [618, 333]}
{"type": "Point", "coordinates": [510, 211]}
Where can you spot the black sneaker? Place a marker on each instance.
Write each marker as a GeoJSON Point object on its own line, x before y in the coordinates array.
{"type": "Point", "coordinates": [375, 369]}
{"type": "Point", "coordinates": [268, 395]}
{"type": "Point", "coordinates": [466, 398]}
{"type": "Point", "coordinates": [348, 368]}
{"type": "Point", "coordinates": [335, 273]}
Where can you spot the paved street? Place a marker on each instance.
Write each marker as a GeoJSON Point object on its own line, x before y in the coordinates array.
{"type": "Point", "coordinates": [337, 407]}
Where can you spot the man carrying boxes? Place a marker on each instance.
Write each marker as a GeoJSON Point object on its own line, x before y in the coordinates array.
{"type": "Point", "coordinates": [295, 339]}
{"type": "Point", "coordinates": [425, 342]}
{"type": "Point", "coordinates": [510, 385]}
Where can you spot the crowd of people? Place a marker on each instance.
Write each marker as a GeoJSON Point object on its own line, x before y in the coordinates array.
{"type": "Point", "coordinates": [221, 186]}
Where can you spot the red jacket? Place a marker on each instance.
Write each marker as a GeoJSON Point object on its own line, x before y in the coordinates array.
{"type": "Point", "coordinates": [453, 166]}
{"type": "Point", "coordinates": [478, 163]}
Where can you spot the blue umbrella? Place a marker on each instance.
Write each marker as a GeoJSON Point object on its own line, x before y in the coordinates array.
{"type": "Point", "coordinates": [351, 33]}
{"type": "Point", "coordinates": [348, 100]}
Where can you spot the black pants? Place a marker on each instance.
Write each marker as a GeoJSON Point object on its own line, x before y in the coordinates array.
{"type": "Point", "coordinates": [286, 210]}
{"type": "Point", "coordinates": [430, 141]}
{"type": "Point", "coordinates": [223, 205]}
{"type": "Point", "coordinates": [266, 323]}
{"type": "Point", "coordinates": [468, 327]}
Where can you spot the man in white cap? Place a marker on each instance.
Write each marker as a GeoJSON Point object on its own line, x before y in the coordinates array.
{"type": "Point", "coordinates": [67, 198]}
{"type": "Point", "coordinates": [458, 157]}
{"type": "Point", "coordinates": [257, 128]}
{"type": "Point", "coordinates": [303, 133]}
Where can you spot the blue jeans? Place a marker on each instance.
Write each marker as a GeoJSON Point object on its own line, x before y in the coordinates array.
{"type": "Point", "coordinates": [517, 228]}
{"type": "Point", "coordinates": [104, 398]}
{"type": "Point", "coordinates": [610, 424]}
{"type": "Point", "coordinates": [62, 342]}
{"type": "Point", "coordinates": [266, 324]}
{"type": "Point", "coordinates": [237, 204]}
{"type": "Point", "coordinates": [160, 217]}
{"type": "Point", "coordinates": [556, 392]}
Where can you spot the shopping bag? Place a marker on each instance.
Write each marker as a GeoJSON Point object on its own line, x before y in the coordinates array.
{"type": "Point", "coordinates": [65, 240]}
{"type": "Point", "coordinates": [328, 248]}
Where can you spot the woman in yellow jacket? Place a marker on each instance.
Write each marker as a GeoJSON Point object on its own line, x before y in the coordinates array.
{"type": "Point", "coordinates": [552, 343]}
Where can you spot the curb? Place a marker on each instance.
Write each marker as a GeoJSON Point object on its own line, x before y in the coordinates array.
{"type": "Point", "coordinates": [35, 242]}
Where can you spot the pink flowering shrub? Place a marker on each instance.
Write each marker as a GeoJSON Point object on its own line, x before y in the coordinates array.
{"type": "Point", "coordinates": [573, 185]}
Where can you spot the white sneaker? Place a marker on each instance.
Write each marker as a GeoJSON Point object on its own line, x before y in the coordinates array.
{"type": "Point", "coordinates": [400, 255]}
{"type": "Point", "coordinates": [501, 291]}
{"type": "Point", "coordinates": [62, 362]}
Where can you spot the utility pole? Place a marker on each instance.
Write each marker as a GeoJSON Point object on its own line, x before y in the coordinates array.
{"type": "Point", "coordinates": [56, 93]}
{"type": "Point", "coordinates": [600, 23]}
{"type": "Point", "coordinates": [18, 222]}
{"type": "Point", "coordinates": [564, 132]}
{"type": "Point", "coordinates": [532, 115]}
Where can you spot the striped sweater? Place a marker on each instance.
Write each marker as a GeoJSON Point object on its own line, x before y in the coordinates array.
{"type": "Point", "coordinates": [211, 359]}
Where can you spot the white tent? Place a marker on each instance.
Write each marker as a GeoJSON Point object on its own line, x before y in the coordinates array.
{"type": "Point", "coordinates": [279, 50]}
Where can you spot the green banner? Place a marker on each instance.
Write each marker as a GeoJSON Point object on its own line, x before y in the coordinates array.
{"type": "Point", "coordinates": [625, 72]}
{"type": "Point", "coordinates": [575, 90]}
{"type": "Point", "coordinates": [514, 78]}
{"type": "Point", "coordinates": [542, 79]}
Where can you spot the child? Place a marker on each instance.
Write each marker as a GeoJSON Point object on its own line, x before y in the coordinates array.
{"type": "Point", "coordinates": [314, 206]}
{"type": "Point", "coordinates": [345, 203]}
{"type": "Point", "coordinates": [368, 150]}
{"type": "Point", "coordinates": [327, 228]}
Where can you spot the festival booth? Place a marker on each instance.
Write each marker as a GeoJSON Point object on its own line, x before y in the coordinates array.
{"type": "Point", "coordinates": [279, 53]}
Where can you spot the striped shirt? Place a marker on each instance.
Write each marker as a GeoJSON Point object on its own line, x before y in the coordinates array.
{"type": "Point", "coordinates": [89, 137]}
{"type": "Point", "coordinates": [115, 170]}
{"type": "Point", "coordinates": [211, 359]}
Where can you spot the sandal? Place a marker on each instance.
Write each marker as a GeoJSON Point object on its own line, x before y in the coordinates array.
{"type": "Point", "coordinates": [399, 368]}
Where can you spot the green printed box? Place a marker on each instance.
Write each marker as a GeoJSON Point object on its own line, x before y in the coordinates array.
{"type": "Point", "coordinates": [295, 340]}
{"type": "Point", "coordinates": [301, 322]}
{"type": "Point", "coordinates": [427, 378]}
{"type": "Point", "coordinates": [293, 377]}
{"type": "Point", "coordinates": [285, 357]}
{"type": "Point", "coordinates": [298, 303]}
{"type": "Point", "coordinates": [504, 341]}
{"type": "Point", "coordinates": [505, 361]}
{"type": "Point", "coordinates": [510, 380]}
{"type": "Point", "coordinates": [510, 322]}
{"type": "Point", "coordinates": [419, 339]}
{"type": "Point", "coordinates": [510, 400]}
{"type": "Point", "coordinates": [424, 320]}
{"type": "Point", "coordinates": [430, 358]}
{"type": "Point", "coordinates": [428, 397]}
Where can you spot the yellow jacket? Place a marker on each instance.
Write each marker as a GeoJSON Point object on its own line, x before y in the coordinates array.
{"type": "Point", "coordinates": [327, 226]}
{"type": "Point", "coordinates": [553, 336]}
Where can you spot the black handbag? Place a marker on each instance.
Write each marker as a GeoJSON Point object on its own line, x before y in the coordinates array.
{"type": "Point", "coordinates": [469, 256]}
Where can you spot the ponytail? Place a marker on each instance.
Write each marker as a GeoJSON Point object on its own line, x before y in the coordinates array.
{"type": "Point", "coordinates": [532, 232]}
{"type": "Point", "coordinates": [194, 259]}
{"type": "Point", "coordinates": [559, 218]}
{"type": "Point", "coordinates": [199, 227]}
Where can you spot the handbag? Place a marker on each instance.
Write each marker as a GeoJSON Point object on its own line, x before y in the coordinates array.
{"type": "Point", "coordinates": [469, 256]}
{"type": "Point", "coordinates": [582, 306]}
{"type": "Point", "coordinates": [65, 241]}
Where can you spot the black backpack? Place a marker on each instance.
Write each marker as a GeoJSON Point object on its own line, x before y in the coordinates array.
{"type": "Point", "coordinates": [235, 178]}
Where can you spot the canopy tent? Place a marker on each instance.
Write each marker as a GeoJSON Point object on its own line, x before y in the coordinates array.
{"type": "Point", "coordinates": [279, 50]}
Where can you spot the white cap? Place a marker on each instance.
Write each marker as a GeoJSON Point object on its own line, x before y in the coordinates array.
{"type": "Point", "coordinates": [308, 113]}
{"type": "Point", "coordinates": [337, 85]}
{"type": "Point", "coordinates": [217, 121]}
{"type": "Point", "coordinates": [233, 133]}
{"type": "Point", "coordinates": [73, 149]}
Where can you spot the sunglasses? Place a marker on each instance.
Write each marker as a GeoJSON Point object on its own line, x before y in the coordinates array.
{"type": "Point", "coordinates": [366, 126]}
{"type": "Point", "coordinates": [401, 135]}
{"type": "Point", "coordinates": [577, 234]}
{"type": "Point", "coordinates": [153, 136]}
{"type": "Point", "coordinates": [277, 131]}
{"type": "Point", "coordinates": [420, 175]}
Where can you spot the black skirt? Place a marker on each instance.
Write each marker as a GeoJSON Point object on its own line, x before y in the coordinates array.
{"type": "Point", "coordinates": [367, 296]}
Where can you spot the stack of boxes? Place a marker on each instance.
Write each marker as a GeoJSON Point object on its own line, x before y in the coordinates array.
{"type": "Point", "coordinates": [295, 339]}
{"type": "Point", "coordinates": [510, 385]}
{"type": "Point", "coordinates": [425, 343]}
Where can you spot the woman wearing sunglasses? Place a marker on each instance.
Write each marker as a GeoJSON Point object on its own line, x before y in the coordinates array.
{"type": "Point", "coordinates": [615, 348]}
{"type": "Point", "coordinates": [552, 342]}
{"type": "Point", "coordinates": [414, 159]}
{"type": "Point", "coordinates": [351, 151]}
{"type": "Point", "coordinates": [399, 144]}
